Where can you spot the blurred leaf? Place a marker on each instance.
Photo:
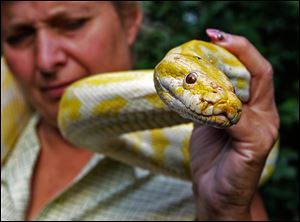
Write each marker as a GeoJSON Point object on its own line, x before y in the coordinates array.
{"type": "Point", "coordinates": [289, 111]}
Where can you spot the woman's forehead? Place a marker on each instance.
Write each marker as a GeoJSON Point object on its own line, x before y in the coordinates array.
{"type": "Point", "coordinates": [20, 13]}
{"type": "Point", "coordinates": [41, 9]}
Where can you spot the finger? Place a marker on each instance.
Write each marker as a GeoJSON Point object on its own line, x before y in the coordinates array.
{"type": "Point", "coordinates": [243, 49]}
{"type": "Point", "coordinates": [260, 69]}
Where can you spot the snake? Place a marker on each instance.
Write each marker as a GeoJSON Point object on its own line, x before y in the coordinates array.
{"type": "Point", "coordinates": [145, 118]}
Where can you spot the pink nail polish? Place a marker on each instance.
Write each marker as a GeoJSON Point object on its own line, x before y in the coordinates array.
{"type": "Point", "coordinates": [215, 34]}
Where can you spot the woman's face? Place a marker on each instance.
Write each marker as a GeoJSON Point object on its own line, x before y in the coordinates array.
{"type": "Point", "coordinates": [49, 45]}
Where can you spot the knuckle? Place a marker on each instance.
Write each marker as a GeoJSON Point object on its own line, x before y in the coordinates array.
{"type": "Point", "coordinates": [271, 136]}
{"type": "Point", "coordinates": [244, 43]}
{"type": "Point", "coordinates": [274, 129]}
{"type": "Point", "coordinates": [268, 68]}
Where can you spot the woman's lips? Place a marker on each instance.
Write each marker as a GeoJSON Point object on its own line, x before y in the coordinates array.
{"type": "Point", "coordinates": [56, 91]}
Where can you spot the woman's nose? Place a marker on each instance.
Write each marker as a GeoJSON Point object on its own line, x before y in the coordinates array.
{"type": "Point", "coordinates": [50, 55]}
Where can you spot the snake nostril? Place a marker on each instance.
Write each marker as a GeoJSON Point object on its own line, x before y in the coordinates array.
{"type": "Point", "coordinates": [198, 57]}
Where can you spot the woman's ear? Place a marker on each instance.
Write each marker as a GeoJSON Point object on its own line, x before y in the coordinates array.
{"type": "Point", "coordinates": [132, 21]}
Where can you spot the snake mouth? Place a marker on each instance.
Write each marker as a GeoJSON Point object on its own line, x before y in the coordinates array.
{"type": "Point", "coordinates": [220, 119]}
{"type": "Point", "coordinates": [220, 114]}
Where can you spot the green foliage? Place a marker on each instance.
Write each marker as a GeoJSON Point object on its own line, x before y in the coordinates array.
{"type": "Point", "coordinates": [273, 28]}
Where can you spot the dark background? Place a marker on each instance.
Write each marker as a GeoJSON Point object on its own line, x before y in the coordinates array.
{"type": "Point", "coordinates": [273, 28]}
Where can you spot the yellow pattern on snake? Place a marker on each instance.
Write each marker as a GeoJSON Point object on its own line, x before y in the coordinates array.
{"type": "Point", "coordinates": [145, 117]}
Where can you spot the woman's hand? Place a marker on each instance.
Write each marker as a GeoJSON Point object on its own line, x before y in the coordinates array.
{"type": "Point", "coordinates": [227, 164]}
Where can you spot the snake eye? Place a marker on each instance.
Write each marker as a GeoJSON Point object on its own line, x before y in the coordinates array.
{"type": "Point", "coordinates": [191, 78]}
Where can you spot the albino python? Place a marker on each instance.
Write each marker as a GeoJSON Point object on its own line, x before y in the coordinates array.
{"type": "Point", "coordinates": [129, 116]}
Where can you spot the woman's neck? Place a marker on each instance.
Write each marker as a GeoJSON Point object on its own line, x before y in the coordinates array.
{"type": "Point", "coordinates": [53, 142]}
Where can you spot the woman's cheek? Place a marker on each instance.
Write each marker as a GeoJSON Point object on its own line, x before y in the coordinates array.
{"type": "Point", "coordinates": [21, 65]}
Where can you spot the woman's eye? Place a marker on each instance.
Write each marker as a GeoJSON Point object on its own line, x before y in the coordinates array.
{"type": "Point", "coordinates": [71, 25]}
{"type": "Point", "coordinates": [19, 38]}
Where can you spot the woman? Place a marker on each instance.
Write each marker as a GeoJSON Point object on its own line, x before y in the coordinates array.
{"type": "Point", "coordinates": [49, 45]}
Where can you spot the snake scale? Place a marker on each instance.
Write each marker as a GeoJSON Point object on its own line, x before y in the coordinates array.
{"type": "Point", "coordinates": [145, 117]}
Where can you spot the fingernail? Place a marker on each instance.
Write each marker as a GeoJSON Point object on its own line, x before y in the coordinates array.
{"type": "Point", "coordinates": [215, 34]}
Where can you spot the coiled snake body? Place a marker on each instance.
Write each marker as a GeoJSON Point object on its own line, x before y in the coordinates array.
{"type": "Point", "coordinates": [129, 116]}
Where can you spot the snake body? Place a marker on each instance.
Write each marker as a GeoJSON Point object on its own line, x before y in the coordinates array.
{"type": "Point", "coordinates": [145, 117]}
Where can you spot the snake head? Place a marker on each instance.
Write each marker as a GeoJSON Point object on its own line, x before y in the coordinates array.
{"type": "Point", "coordinates": [197, 90]}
